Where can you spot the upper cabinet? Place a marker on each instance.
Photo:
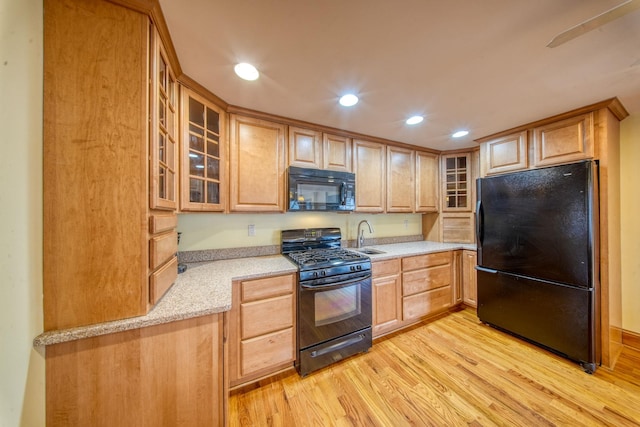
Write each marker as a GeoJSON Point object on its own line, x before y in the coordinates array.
{"type": "Point", "coordinates": [564, 141]}
{"type": "Point", "coordinates": [305, 148]}
{"type": "Point", "coordinates": [314, 149]}
{"type": "Point", "coordinates": [456, 182]}
{"type": "Point", "coordinates": [427, 182]}
{"type": "Point", "coordinates": [203, 181]}
{"type": "Point", "coordinates": [369, 164]}
{"type": "Point", "coordinates": [567, 138]}
{"type": "Point", "coordinates": [257, 165]}
{"type": "Point", "coordinates": [164, 125]}
{"type": "Point", "coordinates": [400, 179]}
{"type": "Point", "coordinates": [505, 154]}
{"type": "Point", "coordinates": [336, 152]}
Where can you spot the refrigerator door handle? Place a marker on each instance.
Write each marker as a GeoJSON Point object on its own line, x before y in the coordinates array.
{"type": "Point", "coordinates": [479, 222]}
{"type": "Point", "coordinates": [486, 270]}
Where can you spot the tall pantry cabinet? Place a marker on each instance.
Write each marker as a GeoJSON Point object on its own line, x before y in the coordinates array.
{"type": "Point", "coordinates": [110, 164]}
{"type": "Point", "coordinates": [110, 200]}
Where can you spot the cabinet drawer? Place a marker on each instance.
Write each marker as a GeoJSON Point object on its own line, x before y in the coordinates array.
{"type": "Point", "coordinates": [261, 317]}
{"type": "Point", "coordinates": [266, 351]}
{"type": "Point", "coordinates": [422, 261]}
{"type": "Point", "coordinates": [268, 287]}
{"type": "Point", "coordinates": [385, 268]}
{"type": "Point", "coordinates": [160, 223]}
{"type": "Point", "coordinates": [425, 303]}
{"type": "Point", "coordinates": [162, 248]}
{"type": "Point", "coordinates": [426, 279]}
{"type": "Point", "coordinates": [162, 280]}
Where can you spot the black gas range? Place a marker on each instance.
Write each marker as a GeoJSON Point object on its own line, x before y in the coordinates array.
{"type": "Point", "coordinates": [334, 297]}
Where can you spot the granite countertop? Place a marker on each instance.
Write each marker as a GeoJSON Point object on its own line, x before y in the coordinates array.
{"type": "Point", "coordinates": [205, 288]}
{"type": "Point", "coordinates": [396, 250]}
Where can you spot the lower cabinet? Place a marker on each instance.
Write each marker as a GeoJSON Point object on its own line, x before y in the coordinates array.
{"type": "Point", "coordinates": [426, 284]}
{"type": "Point", "coordinates": [168, 374]}
{"type": "Point", "coordinates": [262, 328]}
{"type": "Point", "coordinates": [387, 296]}
{"type": "Point", "coordinates": [469, 278]}
{"type": "Point", "coordinates": [406, 290]}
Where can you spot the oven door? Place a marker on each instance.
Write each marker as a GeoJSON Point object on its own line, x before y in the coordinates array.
{"type": "Point", "coordinates": [333, 310]}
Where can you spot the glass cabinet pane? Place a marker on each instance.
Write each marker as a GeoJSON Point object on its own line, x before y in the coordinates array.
{"type": "Point", "coordinates": [213, 168]}
{"type": "Point", "coordinates": [196, 190]}
{"type": "Point", "coordinates": [213, 121]}
{"type": "Point", "coordinates": [213, 149]}
{"type": "Point", "coordinates": [196, 142]}
{"type": "Point", "coordinates": [196, 112]}
{"type": "Point", "coordinates": [196, 164]}
{"type": "Point", "coordinates": [213, 192]}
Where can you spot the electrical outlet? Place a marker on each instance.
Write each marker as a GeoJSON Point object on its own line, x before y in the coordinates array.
{"type": "Point", "coordinates": [251, 230]}
{"type": "Point", "coordinates": [406, 223]}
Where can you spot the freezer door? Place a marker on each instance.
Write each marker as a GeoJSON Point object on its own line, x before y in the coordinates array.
{"type": "Point", "coordinates": [554, 316]}
{"type": "Point", "coordinates": [539, 223]}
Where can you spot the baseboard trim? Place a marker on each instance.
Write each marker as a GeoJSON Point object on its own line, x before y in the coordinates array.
{"type": "Point", "coordinates": [631, 339]}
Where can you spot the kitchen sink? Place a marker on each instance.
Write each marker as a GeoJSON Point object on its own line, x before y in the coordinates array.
{"type": "Point", "coordinates": [370, 251]}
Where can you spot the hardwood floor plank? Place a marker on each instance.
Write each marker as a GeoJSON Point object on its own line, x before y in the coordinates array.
{"type": "Point", "coordinates": [454, 371]}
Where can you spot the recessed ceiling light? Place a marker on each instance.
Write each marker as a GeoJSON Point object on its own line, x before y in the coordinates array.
{"type": "Point", "coordinates": [414, 120]}
{"type": "Point", "coordinates": [348, 100]}
{"type": "Point", "coordinates": [460, 134]}
{"type": "Point", "coordinates": [246, 71]}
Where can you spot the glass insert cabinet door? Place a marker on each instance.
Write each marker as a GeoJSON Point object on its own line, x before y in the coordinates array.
{"type": "Point", "coordinates": [164, 125]}
{"type": "Point", "coordinates": [456, 172]}
{"type": "Point", "coordinates": [202, 154]}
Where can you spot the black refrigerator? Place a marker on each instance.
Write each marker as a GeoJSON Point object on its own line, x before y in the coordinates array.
{"type": "Point", "coordinates": [537, 236]}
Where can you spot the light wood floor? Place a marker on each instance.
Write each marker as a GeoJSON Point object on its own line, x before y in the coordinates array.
{"type": "Point", "coordinates": [452, 371]}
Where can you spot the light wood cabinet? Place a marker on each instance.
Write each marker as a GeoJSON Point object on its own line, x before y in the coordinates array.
{"type": "Point", "coordinates": [456, 182]}
{"type": "Point", "coordinates": [505, 154]}
{"type": "Point", "coordinates": [203, 177]}
{"type": "Point", "coordinates": [387, 296]}
{"type": "Point", "coordinates": [163, 174]}
{"type": "Point", "coordinates": [457, 277]}
{"type": "Point", "coordinates": [568, 139]}
{"type": "Point", "coordinates": [305, 148]}
{"type": "Point", "coordinates": [457, 227]}
{"type": "Point", "coordinates": [369, 161]}
{"type": "Point", "coordinates": [469, 278]}
{"type": "Point", "coordinates": [456, 219]}
{"type": "Point", "coordinates": [426, 285]}
{"type": "Point", "coordinates": [169, 374]}
{"type": "Point", "coordinates": [400, 179]}
{"type": "Point", "coordinates": [262, 328]}
{"type": "Point", "coordinates": [564, 141]}
{"type": "Point", "coordinates": [97, 151]}
{"type": "Point", "coordinates": [309, 148]}
{"type": "Point", "coordinates": [427, 182]}
{"type": "Point", "coordinates": [336, 152]}
{"type": "Point", "coordinates": [257, 165]}
{"type": "Point", "coordinates": [164, 129]}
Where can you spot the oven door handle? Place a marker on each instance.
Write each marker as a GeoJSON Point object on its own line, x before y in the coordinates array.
{"type": "Point", "coordinates": [336, 285]}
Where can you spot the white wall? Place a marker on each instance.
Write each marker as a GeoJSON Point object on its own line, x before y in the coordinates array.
{"type": "Point", "coordinates": [21, 319]}
{"type": "Point", "coordinates": [629, 223]}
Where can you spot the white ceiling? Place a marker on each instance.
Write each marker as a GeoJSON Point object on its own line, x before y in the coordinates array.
{"type": "Point", "coordinates": [476, 64]}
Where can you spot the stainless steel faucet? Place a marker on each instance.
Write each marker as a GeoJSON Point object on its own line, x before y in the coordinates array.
{"type": "Point", "coordinates": [361, 232]}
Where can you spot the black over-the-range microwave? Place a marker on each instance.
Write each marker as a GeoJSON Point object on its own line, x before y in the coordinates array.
{"type": "Point", "coordinates": [321, 190]}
